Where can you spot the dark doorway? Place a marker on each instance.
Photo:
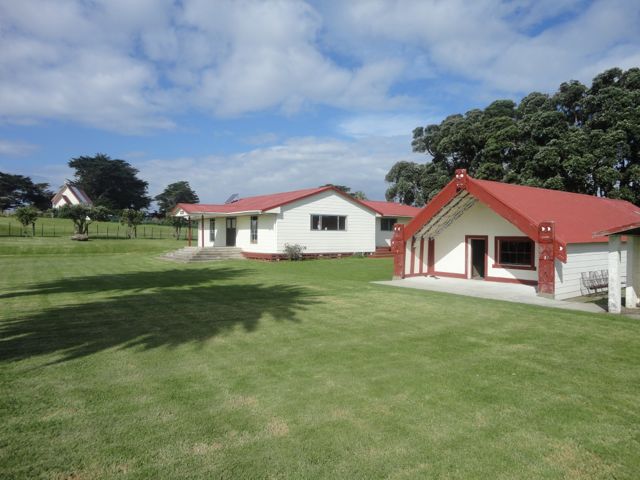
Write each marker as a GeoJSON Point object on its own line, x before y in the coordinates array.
{"type": "Point", "coordinates": [478, 253]}
{"type": "Point", "coordinates": [231, 231]}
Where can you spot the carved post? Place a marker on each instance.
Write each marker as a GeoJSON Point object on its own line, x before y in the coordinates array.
{"type": "Point", "coordinates": [398, 248]}
{"type": "Point", "coordinates": [461, 179]}
{"type": "Point", "coordinates": [546, 259]}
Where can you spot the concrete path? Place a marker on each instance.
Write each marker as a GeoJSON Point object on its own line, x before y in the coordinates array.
{"type": "Point", "coordinates": [508, 292]}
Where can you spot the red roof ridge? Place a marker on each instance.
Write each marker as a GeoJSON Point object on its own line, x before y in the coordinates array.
{"type": "Point", "coordinates": [266, 202]}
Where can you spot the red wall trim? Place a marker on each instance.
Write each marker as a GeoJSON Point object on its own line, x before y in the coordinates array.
{"type": "Point", "coordinates": [282, 256]}
{"type": "Point", "coordinates": [421, 269]}
{"type": "Point", "coordinates": [496, 253]}
{"type": "Point", "coordinates": [467, 247]}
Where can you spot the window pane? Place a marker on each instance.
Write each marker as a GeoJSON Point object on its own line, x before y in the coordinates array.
{"type": "Point", "coordinates": [342, 221]}
{"type": "Point", "coordinates": [254, 229]}
{"type": "Point", "coordinates": [329, 222]}
{"type": "Point", "coordinates": [212, 230]}
{"type": "Point", "coordinates": [315, 222]}
{"type": "Point", "coordinates": [387, 224]}
{"type": "Point", "coordinates": [516, 252]}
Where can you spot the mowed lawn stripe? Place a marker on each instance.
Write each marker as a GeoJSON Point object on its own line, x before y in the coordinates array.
{"type": "Point", "coordinates": [119, 365]}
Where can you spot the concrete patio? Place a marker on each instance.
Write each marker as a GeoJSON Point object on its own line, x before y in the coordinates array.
{"type": "Point", "coordinates": [508, 292]}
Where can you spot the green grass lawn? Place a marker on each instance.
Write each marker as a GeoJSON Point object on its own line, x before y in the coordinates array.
{"type": "Point", "coordinates": [114, 364]}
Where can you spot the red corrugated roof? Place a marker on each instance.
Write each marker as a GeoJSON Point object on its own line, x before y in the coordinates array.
{"type": "Point", "coordinates": [576, 216]}
{"type": "Point", "coordinates": [392, 209]}
{"type": "Point", "coordinates": [262, 203]}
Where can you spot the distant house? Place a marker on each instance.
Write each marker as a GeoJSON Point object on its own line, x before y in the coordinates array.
{"type": "Point", "coordinates": [492, 231]}
{"type": "Point", "coordinates": [70, 194]}
{"type": "Point", "coordinates": [324, 220]}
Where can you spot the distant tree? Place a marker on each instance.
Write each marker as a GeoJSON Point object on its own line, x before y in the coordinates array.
{"type": "Point", "coordinates": [111, 183]}
{"type": "Point", "coordinates": [28, 216]}
{"type": "Point", "coordinates": [131, 219]}
{"type": "Point", "coordinates": [79, 214]}
{"type": "Point", "coordinates": [580, 139]}
{"type": "Point", "coordinates": [18, 190]}
{"type": "Point", "coordinates": [178, 192]}
{"type": "Point", "coordinates": [359, 195]}
{"type": "Point", "coordinates": [178, 223]}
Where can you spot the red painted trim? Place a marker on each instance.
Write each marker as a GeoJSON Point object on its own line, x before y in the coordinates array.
{"type": "Point", "coordinates": [430, 209]}
{"type": "Point", "coordinates": [282, 256]}
{"type": "Point", "coordinates": [496, 253]}
{"type": "Point", "coordinates": [467, 247]}
{"type": "Point", "coordinates": [431, 256]}
{"type": "Point", "coordinates": [413, 255]}
{"type": "Point", "coordinates": [463, 181]}
{"type": "Point", "coordinates": [421, 269]}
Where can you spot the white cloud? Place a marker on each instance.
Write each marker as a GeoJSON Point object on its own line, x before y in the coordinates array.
{"type": "Point", "coordinates": [384, 125]}
{"type": "Point", "coordinates": [297, 163]}
{"type": "Point", "coordinates": [12, 148]}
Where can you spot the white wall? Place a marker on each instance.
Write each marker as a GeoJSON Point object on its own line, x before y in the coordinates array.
{"type": "Point", "coordinates": [294, 225]}
{"type": "Point", "coordinates": [266, 233]}
{"type": "Point", "coordinates": [383, 238]}
{"type": "Point", "coordinates": [583, 257]}
{"type": "Point", "coordinates": [477, 220]}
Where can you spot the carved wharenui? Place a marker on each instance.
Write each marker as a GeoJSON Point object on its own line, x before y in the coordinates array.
{"type": "Point", "coordinates": [397, 247]}
{"type": "Point", "coordinates": [499, 232]}
{"type": "Point", "coordinates": [546, 258]}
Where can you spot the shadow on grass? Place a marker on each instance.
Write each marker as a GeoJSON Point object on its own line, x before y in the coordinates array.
{"type": "Point", "coordinates": [131, 282]}
{"type": "Point", "coordinates": [168, 317]}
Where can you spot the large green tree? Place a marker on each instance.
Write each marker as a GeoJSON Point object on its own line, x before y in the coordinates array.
{"type": "Point", "coordinates": [18, 190]}
{"type": "Point", "coordinates": [111, 183]}
{"type": "Point", "coordinates": [580, 139]}
{"type": "Point", "coordinates": [178, 192]}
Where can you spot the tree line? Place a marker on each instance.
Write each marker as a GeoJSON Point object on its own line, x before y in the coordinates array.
{"type": "Point", "coordinates": [112, 184]}
{"type": "Point", "coordinates": [580, 139]}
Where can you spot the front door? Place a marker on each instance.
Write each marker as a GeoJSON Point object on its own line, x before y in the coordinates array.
{"type": "Point", "coordinates": [231, 231]}
{"type": "Point", "coordinates": [478, 251]}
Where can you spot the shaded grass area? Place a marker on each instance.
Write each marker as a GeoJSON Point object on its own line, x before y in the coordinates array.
{"type": "Point", "coordinates": [65, 246]}
{"type": "Point", "coordinates": [123, 366]}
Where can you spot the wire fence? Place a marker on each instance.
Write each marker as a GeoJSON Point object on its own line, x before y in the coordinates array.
{"type": "Point", "coordinates": [96, 230]}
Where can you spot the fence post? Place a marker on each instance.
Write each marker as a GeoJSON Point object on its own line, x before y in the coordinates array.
{"type": "Point", "coordinates": [151, 233]}
{"type": "Point", "coordinates": [107, 231]}
{"type": "Point", "coordinates": [118, 232]}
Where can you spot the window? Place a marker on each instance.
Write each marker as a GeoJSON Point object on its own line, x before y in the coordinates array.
{"type": "Point", "coordinates": [515, 252]}
{"type": "Point", "coordinates": [386, 224]}
{"type": "Point", "coordinates": [328, 222]}
{"type": "Point", "coordinates": [212, 230]}
{"type": "Point", "coordinates": [254, 229]}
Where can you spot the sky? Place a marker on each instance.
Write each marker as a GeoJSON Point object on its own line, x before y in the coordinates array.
{"type": "Point", "coordinates": [260, 97]}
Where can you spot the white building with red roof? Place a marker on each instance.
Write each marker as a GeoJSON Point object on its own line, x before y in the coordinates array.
{"type": "Point", "coordinates": [70, 194]}
{"type": "Point", "coordinates": [324, 220]}
{"type": "Point", "coordinates": [492, 231]}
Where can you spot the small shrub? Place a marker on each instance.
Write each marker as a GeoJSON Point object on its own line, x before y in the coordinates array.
{"type": "Point", "coordinates": [294, 251]}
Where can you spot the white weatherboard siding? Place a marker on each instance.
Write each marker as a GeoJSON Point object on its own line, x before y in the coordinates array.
{"type": "Point", "coordinates": [477, 220]}
{"type": "Point", "coordinates": [584, 257]}
{"type": "Point", "coordinates": [266, 233]}
{"type": "Point", "coordinates": [383, 238]}
{"type": "Point", "coordinates": [67, 192]}
{"type": "Point", "coordinates": [294, 225]}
